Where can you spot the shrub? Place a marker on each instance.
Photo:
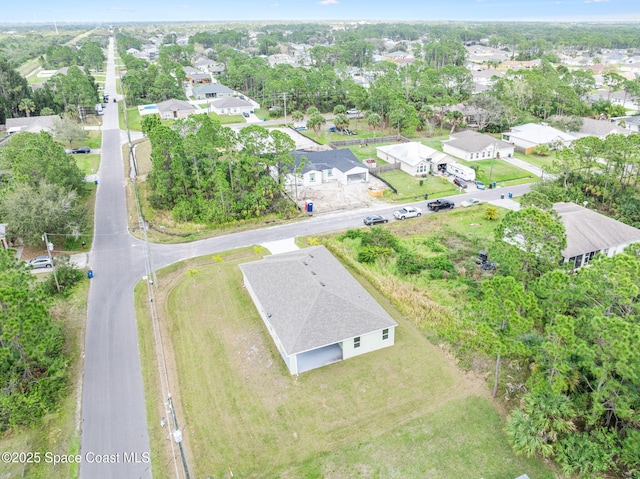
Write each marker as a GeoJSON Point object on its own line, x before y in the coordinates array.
{"type": "Point", "coordinates": [491, 213]}
{"type": "Point", "coordinates": [378, 236]}
{"type": "Point", "coordinates": [68, 275]}
{"type": "Point", "coordinates": [350, 234]}
{"type": "Point", "coordinates": [410, 263]}
{"type": "Point", "coordinates": [437, 265]}
{"type": "Point", "coordinates": [369, 253]}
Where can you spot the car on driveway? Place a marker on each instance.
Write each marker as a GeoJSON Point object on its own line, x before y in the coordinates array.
{"type": "Point", "coordinates": [81, 149]}
{"type": "Point", "coordinates": [374, 220]}
{"type": "Point", "coordinates": [459, 182]}
{"type": "Point", "coordinates": [245, 114]}
{"type": "Point", "coordinates": [470, 201]}
{"type": "Point", "coordinates": [407, 212]}
{"type": "Point", "coordinates": [40, 262]}
{"type": "Point", "coordinates": [480, 185]}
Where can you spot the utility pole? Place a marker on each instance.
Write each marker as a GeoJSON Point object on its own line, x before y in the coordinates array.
{"type": "Point", "coordinates": [284, 97]}
{"type": "Point", "coordinates": [49, 246]}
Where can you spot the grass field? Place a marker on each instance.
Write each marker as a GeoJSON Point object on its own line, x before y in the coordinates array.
{"type": "Point", "coordinates": [405, 411]}
{"type": "Point", "coordinates": [409, 187]}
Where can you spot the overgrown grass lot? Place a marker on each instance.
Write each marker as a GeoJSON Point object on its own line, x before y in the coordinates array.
{"type": "Point", "coordinates": [404, 411]}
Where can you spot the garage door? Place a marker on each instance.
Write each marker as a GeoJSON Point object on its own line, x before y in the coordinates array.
{"type": "Point", "coordinates": [357, 178]}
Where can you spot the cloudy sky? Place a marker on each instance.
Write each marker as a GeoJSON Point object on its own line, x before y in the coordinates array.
{"type": "Point", "coordinates": [245, 10]}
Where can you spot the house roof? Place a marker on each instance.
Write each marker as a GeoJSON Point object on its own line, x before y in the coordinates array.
{"type": "Point", "coordinates": [231, 102]}
{"type": "Point", "coordinates": [311, 300]}
{"type": "Point", "coordinates": [599, 128]}
{"type": "Point", "coordinates": [342, 159]}
{"type": "Point", "coordinates": [539, 133]}
{"type": "Point", "coordinates": [472, 141]}
{"type": "Point", "coordinates": [174, 105]}
{"type": "Point", "coordinates": [34, 124]}
{"type": "Point", "coordinates": [211, 88]}
{"type": "Point", "coordinates": [413, 152]}
{"type": "Point", "coordinates": [589, 231]}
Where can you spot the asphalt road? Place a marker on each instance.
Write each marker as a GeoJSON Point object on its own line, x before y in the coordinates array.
{"type": "Point", "coordinates": [114, 440]}
{"type": "Point", "coordinates": [114, 437]}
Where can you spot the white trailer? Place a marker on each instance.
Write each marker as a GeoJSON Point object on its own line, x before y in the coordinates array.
{"type": "Point", "coordinates": [461, 171]}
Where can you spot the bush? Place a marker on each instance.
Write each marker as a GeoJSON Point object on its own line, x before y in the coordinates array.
{"type": "Point", "coordinates": [369, 253]}
{"type": "Point", "coordinates": [410, 263]}
{"type": "Point", "coordinates": [378, 236]}
{"type": "Point", "coordinates": [68, 276]}
{"type": "Point", "coordinates": [350, 234]}
{"type": "Point", "coordinates": [437, 265]}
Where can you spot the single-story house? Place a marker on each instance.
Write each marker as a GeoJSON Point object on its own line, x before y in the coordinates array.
{"type": "Point", "coordinates": [32, 124]}
{"type": "Point", "coordinates": [590, 233]}
{"type": "Point", "coordinates": [528, 136]}
{"type": "Point", "coordinates": [318, 167]}
{"type": "Point", "coordinates": [212, 90]}
{"type": "Point", "coordinates": [315, 311]}
{"type": "Point", "coordinates": [598, 128]}
{"type": "Point", "coordinates": [231, 106]}
{"type": "Point", "coordinates": [175, 109]}
{"type": "Point", "coordinates": [471, 145]}
{"type": "Point", "coordinates": [198, 78]}
{"type": "Point", "coordinates": [417, 159]}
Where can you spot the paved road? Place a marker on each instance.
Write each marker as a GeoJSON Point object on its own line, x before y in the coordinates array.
{"type": "Point", "coordinates": [114, 441]}
{"type": "Point", "coordinates": [113, 408]}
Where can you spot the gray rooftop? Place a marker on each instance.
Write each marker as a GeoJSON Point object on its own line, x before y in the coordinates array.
{"type": "Point", "coordinates": [211, 88]}
{"type": "Point", "coordinates": [589, 231]}
{"type": "Point", "coordinates": [473, 141]}
{"type": "Point", "coordinates": [311, 300]}
{"type": "Point", "coordinates": [599, 128]}
{"type": "Point", "coordinates": [342, 159]}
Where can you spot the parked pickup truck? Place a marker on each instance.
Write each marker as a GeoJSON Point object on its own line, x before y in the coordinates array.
{"type": "Point", "coordinates": [407, 212]}
{"type": "Point", "coordinates": [437, 205]}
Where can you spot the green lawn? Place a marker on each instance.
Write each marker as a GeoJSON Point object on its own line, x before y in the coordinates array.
{"type": "Point", "coordinates": [503, 173]}
{"type": "Point", "coordinates": [540, 161]}
{"type": "Point", "coordinates": [410, 188]}
{"type": "Point", "coordinates": [88, 164]}
{"type": "Point", "coordinates": [404, 411]}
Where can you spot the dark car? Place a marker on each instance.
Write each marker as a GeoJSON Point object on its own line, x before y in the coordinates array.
{"type": "Point", "coordinates": [81, 149]}
{"type": "Point", "coordinates": [374, 220]}
{"type": "Point", "coordinates": [245, 114]}
{"type": "Point", "coordinates": [459, 182]}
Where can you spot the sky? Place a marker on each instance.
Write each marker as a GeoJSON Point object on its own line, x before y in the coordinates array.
{"type": "Point", "coordinates": [115, 11]}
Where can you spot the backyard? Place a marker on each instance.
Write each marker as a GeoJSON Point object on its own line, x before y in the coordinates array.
{"type": "Point", "coordinates": [405, 411]}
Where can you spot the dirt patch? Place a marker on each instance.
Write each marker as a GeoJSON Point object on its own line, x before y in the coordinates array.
{"type": "Point", "coordinates": [337, 196]}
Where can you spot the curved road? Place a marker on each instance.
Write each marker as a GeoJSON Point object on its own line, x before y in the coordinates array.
{"type": "Point", "coordinates": [114, 438]}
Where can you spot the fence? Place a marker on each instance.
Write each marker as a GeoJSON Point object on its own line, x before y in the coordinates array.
{"type": "Point", "coordinates": [382, 168]}
{"type": "Point", "coordinates": [365, 141]}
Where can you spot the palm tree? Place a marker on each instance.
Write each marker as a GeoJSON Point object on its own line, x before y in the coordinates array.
{"type": "Point", "coordinates": [315, 122]}
{"type": "Point", "coordinates": [341, 121]}
{"type": "Point", "coordinates": [374, 120]}
{"type": "Point", "coordinates": [27, 105]}
{"type": "Point", "coordinates": [297, 115]}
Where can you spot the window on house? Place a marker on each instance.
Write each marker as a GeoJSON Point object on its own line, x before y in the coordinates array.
{"type": "Point", "coordinates": [312, 177]}
{"type": "Point", "coordinates": [578, 261]}
{"type": "Point", "coordinates": [483, 154]}
{"type": "Point", "coordinates": [356, 342]}
{"type": "Point", "coordinates": [385, 334]}
{"type": "Point", "coordinates": [329, 172]}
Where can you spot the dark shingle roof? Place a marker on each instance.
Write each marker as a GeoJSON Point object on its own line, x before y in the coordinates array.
{"type": "Point", "coordinates": [311, 300]}
{"type": "Point", "coordinates": [341, 159]}
{"type": "Point", "coordinates": [473, 141]}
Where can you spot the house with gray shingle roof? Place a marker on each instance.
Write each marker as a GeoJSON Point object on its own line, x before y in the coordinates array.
{"type": "Point", "coordinates": [212, 90]}
{"type": "Point", "coordinates": [471, 145]}
{"type": "Point", "coordinates": [231, 106]}
{"type": "Point", "coordinates": [598, 128]}
{"type": "Point", "coordinates": [315, 311]}
{"type": "Point", "coordinates": [318, 167]}
{"type": "Point", "coordinates": [526, 137]}
{"type": "Point", "coordinates": [33, 124]}
{"type": "Point", "coordinates": [173, 108]}
{"type": "Point", "coordinates": [590, 233]}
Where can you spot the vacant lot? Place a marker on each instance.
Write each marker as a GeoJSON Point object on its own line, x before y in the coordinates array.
{"type": "Point", "coordinates": [405, 411]}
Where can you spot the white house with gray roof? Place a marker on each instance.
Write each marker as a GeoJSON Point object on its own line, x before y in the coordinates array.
{"type": "Point", "coordinates": [471, 145]}
{"type": "Point", "coordinates": [598, 128]}
{"type": "Point", "coordinates": [231, 106]}
{"type": "Point", "coordinates": [528, 136]}
{"type": "Point", "coordinates": [417, 159]}
{"type": "Point", "coordinates": [590, 233]}
{"type": "Point", "coordinates": [212, 91]}
{"type": "Point", "coordinates": [314, 310]}
{"type": "Point", "coordinates": [319, 167]}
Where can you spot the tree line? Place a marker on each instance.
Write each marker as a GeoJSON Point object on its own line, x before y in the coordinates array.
{"type": "Point", "coordinates": [203, 172]}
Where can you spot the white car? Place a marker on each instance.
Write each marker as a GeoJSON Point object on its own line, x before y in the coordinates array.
{"type": "Point", "coordinates": [407, 212]}
{"type": "Point", "coordinates": [470, 201]}
{"type": "Point", "coordinates": [40, 262]}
